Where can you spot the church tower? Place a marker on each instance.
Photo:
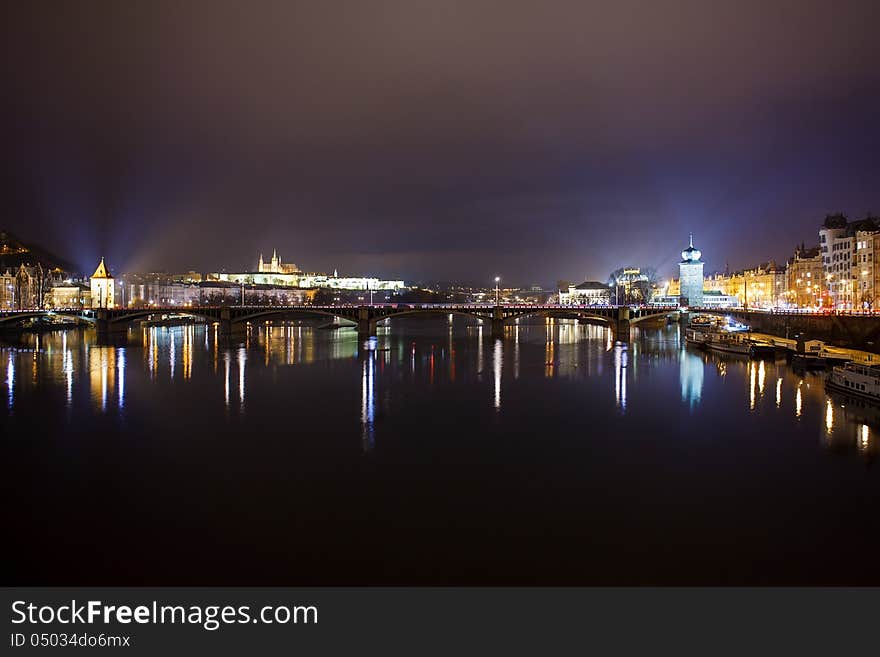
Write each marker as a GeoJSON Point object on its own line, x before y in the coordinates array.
{"type": "Point", "coordinates": [690, 276]}
{"type": "Point", "coordinates": [102, 288]}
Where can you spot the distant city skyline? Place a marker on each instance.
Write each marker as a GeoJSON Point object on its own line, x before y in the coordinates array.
{"type": "Point", "coordinates": [713, 265]}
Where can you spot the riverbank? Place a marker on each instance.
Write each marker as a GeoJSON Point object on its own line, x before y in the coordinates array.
{"type": "Point", "coordinates": [856, 355]}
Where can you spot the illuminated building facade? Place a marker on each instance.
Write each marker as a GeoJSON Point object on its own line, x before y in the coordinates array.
{"type": "Point", "coordinates": [7, 293]}
{"type": "Point", "coordinates": [102, 288]}
{"type": "Point", "coordinates": [836, 246]}
{"type": "Point", "coordinates": [70, 295]}
{"type": "Point", "coordinates": [690, 276]}
{"type": "Point", "coordinates": [866, 277]}
{"type": "Point", "coordinates": [846, 247]}
{"type": "Point", "coordinates": [804, 279]}
{"type": "Point", "coordinates": [588, 293]}
{"type": "Point", "coordinates": [164, 292]}
{"type": "Point", "coordinates": [761, 287]}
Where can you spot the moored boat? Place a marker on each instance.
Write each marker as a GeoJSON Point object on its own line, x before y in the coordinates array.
{"type": "Point", "coordinates": [813, 354]}
{"type": "Point", "coordinates": [763, 349]}
{"type": "Point", "coordinates": [855, 379]}
{"type": "Point", "coordinates": [703, 321]}
{"type": "Point", "coordinates": [730, 343]}
{"type": "Point", "coordinates": [695, 337]}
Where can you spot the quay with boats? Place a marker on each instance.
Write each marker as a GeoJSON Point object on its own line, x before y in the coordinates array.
{"type": "Point", "coordinates": [860, 380]}
{"type": "Point", "coordinates": [714, 334]}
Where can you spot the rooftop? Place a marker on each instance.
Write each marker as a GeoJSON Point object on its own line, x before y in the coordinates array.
{"type": "Point", "coordinates": [591, 285]}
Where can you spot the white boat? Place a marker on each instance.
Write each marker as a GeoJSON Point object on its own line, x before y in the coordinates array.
{"type": "Point", "coordinates": [730, 343]}
{"type": "Point", "coordinates": [862, 380]}
{"type": "Point", "coordinates": [696, 337]}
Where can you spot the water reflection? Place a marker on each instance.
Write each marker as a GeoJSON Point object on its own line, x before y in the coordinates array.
{"type": "Point", "coordinates": [10, 378]}
{"type": "Point", "coordinates": [101, 365]}
{"type": "Point", "coordinates": [620, 363]}
{"type": "Point", "coordinates": [497, 363]}
{"type": "Point", "coordinates": [227, 366]}
{"type": "Point", "coordinates": [67, 368]}
{"type": "Point", "coordinates": [542, 359]}
{"type": "Point", "coordinates": [752, 377]}
{"type": "Point", "coordinates": [850, 424]}
{"type": "Point", "coordinates": [171, 353]}
{"type": "Point", "coordinates": [188, 339]}
{"type": "Point", "coordinates": [368, 398]}
{"type": "Point", "coordinates": [690, 374]}
{"type": "Point", "coordinates": [242, 360]}
{"type": "Point", "coordinates": [120, 366]}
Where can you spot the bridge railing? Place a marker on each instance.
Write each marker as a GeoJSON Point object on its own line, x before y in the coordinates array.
{"type": "Point", "coordinates": [807, 312]}
{"type": "Point", "coordinates": [181, 309]}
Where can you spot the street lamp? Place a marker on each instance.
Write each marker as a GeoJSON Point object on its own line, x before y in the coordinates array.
{"type": "Point", "coordinates": [497, 280]}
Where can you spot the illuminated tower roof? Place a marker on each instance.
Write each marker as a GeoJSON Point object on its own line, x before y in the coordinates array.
{"type": "Point", "coordinates": [101, 271]}
{"type": "Point", "coordinates": [691, 254]}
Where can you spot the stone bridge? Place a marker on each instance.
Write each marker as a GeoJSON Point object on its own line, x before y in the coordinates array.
{"type": "Point", "coordinates": [233, 319]}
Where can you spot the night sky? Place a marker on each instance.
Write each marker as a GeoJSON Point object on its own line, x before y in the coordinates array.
{"type": "Point", "coordinates": [436, 140]}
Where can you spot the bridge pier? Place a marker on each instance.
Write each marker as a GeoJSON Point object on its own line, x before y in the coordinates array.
{"type": "Point", "coordinates": [366, 324]}
{"type": "Point", "coordinates": [366, 329]}
{"type": "Point", "coordinates": [228, 327]}
{"type": "Point", "coordinates": [104, 326]}
{"type": "Point", "coordinates": [621, 326]}
{"type": "Point", "coordinates": [497, 323]}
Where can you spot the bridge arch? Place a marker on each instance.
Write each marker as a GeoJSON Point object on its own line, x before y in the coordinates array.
{"type": "Point", "coordinates": [284, 312]}
{"type": "Point", "coordinates": [16, 317]}
{"type": "Point", "coordinates": [129, 317]}
{"type": "Point", "coordinates": [573, 313]}
{"type": "Point", "coordinates": [486, 315]}
{"type": "Point", "coordinates": [653, 315]}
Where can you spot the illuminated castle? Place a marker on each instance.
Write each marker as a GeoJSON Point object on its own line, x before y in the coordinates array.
{"type": "Point", "coordinates": [275, 266]}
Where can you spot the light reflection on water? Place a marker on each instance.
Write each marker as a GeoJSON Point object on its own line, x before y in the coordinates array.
{"type": "Point", "coordinates": [621, 356]}
{"type": "Point", "coordinates": [453, 355]}
{"type": "Point", "coordinates": [432, 445]}
{"type": "Point", "coordinates": [498, 364]}
{"type": "Point", "coordinates": [690, 371]}
{"type": "Point", "coordinates": [10, 379]}
{"type": "Point", "coordinates": [368, 397]}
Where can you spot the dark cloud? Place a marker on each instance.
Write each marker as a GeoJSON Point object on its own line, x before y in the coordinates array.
{"type": "Point", "coordinates": [445, 140]}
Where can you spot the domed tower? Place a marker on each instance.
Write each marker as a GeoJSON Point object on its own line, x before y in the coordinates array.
{"type": "Point", "coordinates": [690, 275]}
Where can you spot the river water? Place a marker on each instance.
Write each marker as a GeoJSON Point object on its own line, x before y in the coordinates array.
{"type": "Point", "coordinates": [433, 455]}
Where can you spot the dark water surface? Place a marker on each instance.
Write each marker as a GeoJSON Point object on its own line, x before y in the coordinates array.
{"type": "Point", "coordinates": [437, 456]}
